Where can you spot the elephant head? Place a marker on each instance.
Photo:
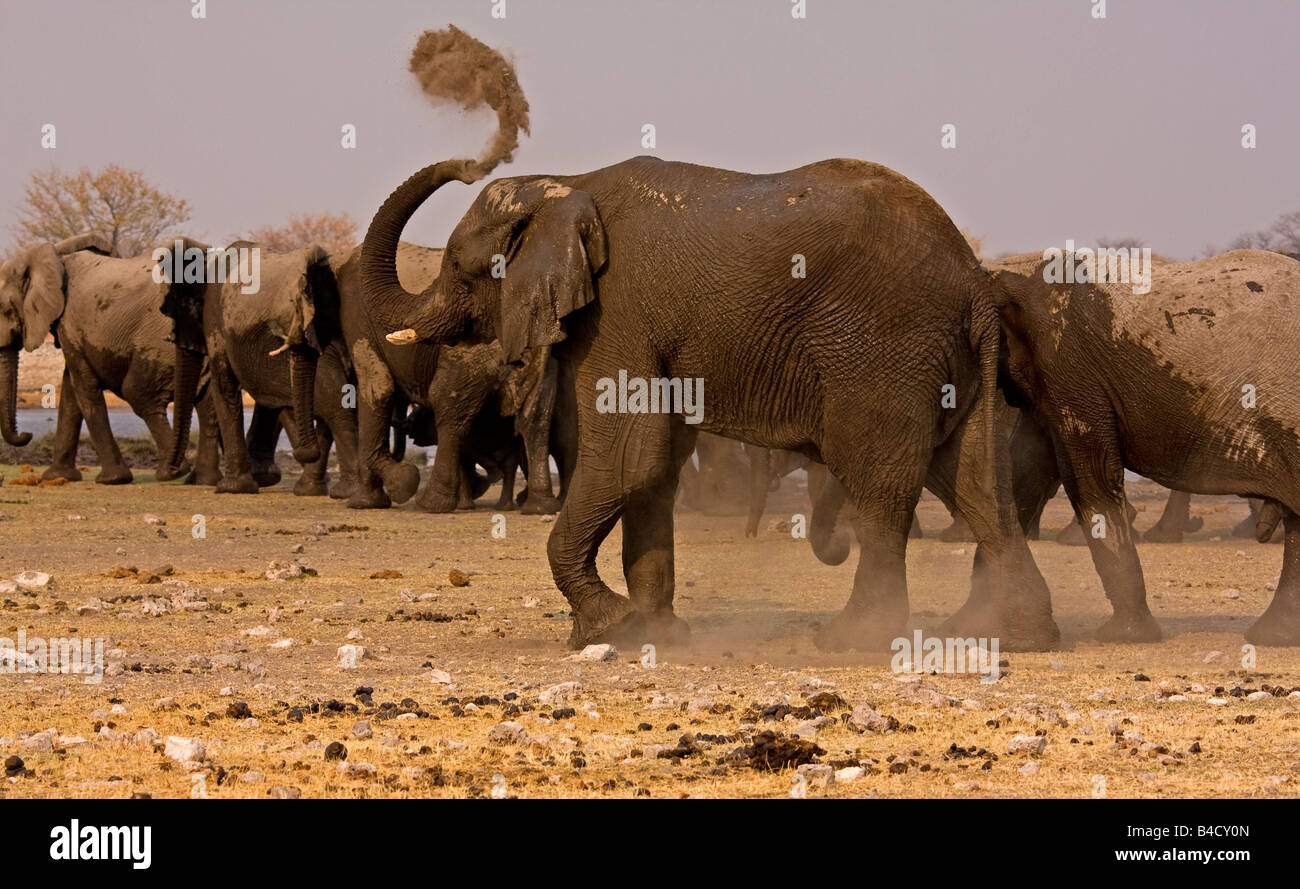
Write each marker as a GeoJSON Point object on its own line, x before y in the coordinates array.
{"type": "Point", "coordinates": [523, 257]}
{"type": "Point", "coordinates": [33, 294]}
{"type": "Point", "coordinates": [301, 299]}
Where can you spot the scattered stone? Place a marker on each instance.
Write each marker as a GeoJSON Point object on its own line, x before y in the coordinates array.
{"type": "Point", "coordinates": [1029, 768]}
{"type": "Point", "coordinates": [458, 577]}
{"type": "Point", "coordinates": [509, 732]}
{"type": "Point", "coordinates": [185, 750]}
{"type": "Point", "coordinates": [361, 730]}
{"type": "Point", "coordinates": [279, 791]}
{"type": "Point", "coordinates": [864, 719]}
{"type": "Point", "coordinates": [772, 752]}
{"type": "Point", "coordinates": [1027, 744]}
{"type": "Point", "coordinates": [335, 750]}
{"type": "Point", "coordinates": [816, 774]}
{"type": "Point", "coordinates": [32, 581]}
{"type": "Point", "coordinates": [851, 773]}
{"type": "Point", "coordinates": [596, 653]}
{"type": "Point", "coordinates": [350, 656]}
{"type": "Point", "coordinates": [252, 778]}
{"type": "Point", "coordinates": [558, 695]}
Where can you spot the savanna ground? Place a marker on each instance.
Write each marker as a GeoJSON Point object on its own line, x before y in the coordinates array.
{"type": "Point", "coordinates": [445, 664]}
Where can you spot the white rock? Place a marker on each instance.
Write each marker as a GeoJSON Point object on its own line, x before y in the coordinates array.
{"type": "Point", "coordinates": [361, 730]}
{"type": "Point", "coordinates": [185, 749]}
{"type": "Point", "coordinates": [349, 656]}
{"type": "Point", "coordinates": [1217, 702]}
{"type": "Point", "coordinates": [1029, 768]}
{"type": "Point", "coordinates": [1232, 593]}
{"type": "Point", "coordinates": [558, 695]}
{"type": "Point", "coordinates": [816, 774]}
{"type": "Point", "coordinates": [865, 719]}
{"type": "Point", "coordinates": [1259, 696]}
{"type": "Point", "coordinates": [850, 773]}
{"type": "Point", "coordinates": [41, 742]}
{"type": "Point", "coordinates": [596, 653]}
{"type": "Point", "coordinates": [504, 733]}
{"type": "Point", "coordinates": [252, 778]}
{"type": "Point", "coordinates": [32, 581]}
{"type": "Point", "coordinates": [1027, 744]}
{"type": "Point", "coordinates": [439, 677]}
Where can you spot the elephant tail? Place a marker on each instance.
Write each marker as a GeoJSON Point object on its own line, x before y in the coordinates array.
{"type": "Point", "coordinates": [986, 343]}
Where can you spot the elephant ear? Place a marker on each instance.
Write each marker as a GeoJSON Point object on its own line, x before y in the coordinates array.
{"type": "Point", "coordinates": [45, 297]}
{"type": "Point", "coordinates": [317, 321]}
{"type": "Point", "coordinates": [557, 248]}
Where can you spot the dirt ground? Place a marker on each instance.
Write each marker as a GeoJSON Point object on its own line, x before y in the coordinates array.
{"type": "Point", "coordinates": [462, 698]}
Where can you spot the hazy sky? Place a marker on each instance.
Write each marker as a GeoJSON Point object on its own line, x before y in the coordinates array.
{"type": "Point", "coordinates": [1067, 127]}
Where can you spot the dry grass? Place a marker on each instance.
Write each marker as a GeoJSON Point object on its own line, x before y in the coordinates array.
{"type": "Point", "coordinates": [752, 605]}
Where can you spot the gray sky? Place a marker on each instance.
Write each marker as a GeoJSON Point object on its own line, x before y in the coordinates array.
{"type": "Point", "coordinates": [1067, 127]}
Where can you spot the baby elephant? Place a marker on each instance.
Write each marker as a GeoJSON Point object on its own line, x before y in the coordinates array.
{"type": "Point", "coordinates": [1192, 384]}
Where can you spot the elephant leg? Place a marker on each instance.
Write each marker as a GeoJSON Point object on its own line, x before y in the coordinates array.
{"type": "Point", "coordinates": [509, 469]}
{"type": "Point", "coordinates": [263, 439]}
{"type": "Point", "coordinates": [342, 428]}
{"type": "Point", "coordinates": [1280, 623]}
{"type": "Point", "coordinates": [648, 551]}
{"type": "Point", "coordinates": [314, 481]}
{"type": "Point", "coordinates": [90, 399]}
{"type": "Point", "coordinates": [207, 464]}
{"type": "Point", "coordinates": [1009, 599]}
{"type": "Point", "coordinates": [376, 469]}
{"type": "Point", "coordinates": [161, 432]}
{"type": "Point", "coordinates": [236, 467]}
{"type": "Point", "coordinates": [593, 507]}
{"type": "Point", "coordinates": [1175, 519]}
{"type": "Point", "coordinates": [1094, 480]}
{"type": "Point", "coordinates": [442, 491]}
{"type": "Point", "coordinates": [67, 434]}
{"type": "Point", "coordinates": [760, 474]}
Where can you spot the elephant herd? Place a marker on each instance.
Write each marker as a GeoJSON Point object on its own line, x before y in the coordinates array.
{"type": "Point", "coordinates": [889, 361]}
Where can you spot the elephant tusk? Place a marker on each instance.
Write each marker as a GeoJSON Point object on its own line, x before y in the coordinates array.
{"type": "Point", "coordinates": [403, 337]}
{"type": "Point", "coordinates": [278, 351]}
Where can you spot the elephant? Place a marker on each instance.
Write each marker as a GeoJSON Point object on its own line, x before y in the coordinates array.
{"type": "Point", "coordinates": [269, 342]}
{"type": "Point", "coordinates": [103, 312]}
{"type": "Point", "coordinates": [833, 310]}
{"type": "Point", "coordinates": [1191, 384]}
{"type": "Point", "coordinates": [477, 402]}
{"type": "Point", "coordinates": [720, 485]}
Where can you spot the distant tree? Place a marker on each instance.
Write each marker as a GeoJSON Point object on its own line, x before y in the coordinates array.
{"type": "Point", "coordinates": [336, 232]}
{"type": "Point", "coordinates": [1117, 243]}
{"type": "Point", "coordinates": [1283, 236]}
{"type": "Point", "coordinates": [117, 203]}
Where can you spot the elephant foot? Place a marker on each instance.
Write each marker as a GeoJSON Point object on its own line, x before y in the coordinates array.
{"type": "Point", "coordinates": [344, 488]}
{"type": "Point", "coordinates": [307, 486]}
{"type": "Point", "coordinates": [864, 629]}
{"type": "Point", "coordinates": [430, 499]}
{"type": "Point", "coordinates": [368, 498]}
{"type": "Point", "coordinates": [1279, 625]}
{"type": "Point", "coordinates": [1018, 630]}
{"type": "Point", "coordinates": [505, 504]}
{"type": "Point", "coordinates": [1193, 523]}
{"type": "Point", "coordinates": [1140, 627]}
{"type": "Point", "coordinates": [204, 477]}
{"type": "Point", "coordinates": [171, 473]}
{"type": "Point", "coordinates": [1072, 535]}
{"type": "Point", "coordinates": [71, 473]}
{"type": "Point", "coordinates": [114, 475]}
{"type": "Point", "coordinates": [538, 504]}
{"type": "Point", "coordinates": [1245, 528]}
{"type": "Point", "coordinates": [958, 532]}
{"type": "Point", "coordinates": [464, 503]}
{"type": "Point", "coordinates": [1162, 533]}
{"type": "Point", "coordinates": [401, 480]}
{"type": "Point", "coordinates": [606, 618]}
{"type": "Point", "coordinates": [237, 484]}
{"type": "Point", "coordinates": [267, 477]}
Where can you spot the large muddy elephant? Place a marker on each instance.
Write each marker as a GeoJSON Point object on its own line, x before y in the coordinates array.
{"type": "Point", "coordinates": [647, 275]}
{"type": "Point", "coordinates": [269, 343]}
{"type": "Point", "coordinates": [103, 312]}
{"type": "Point", "coordinates": [1191, 385]}
{"type": "Point", "coordinates": [478, 402]}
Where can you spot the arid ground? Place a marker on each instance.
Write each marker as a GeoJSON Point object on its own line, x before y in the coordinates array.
{"type": "Point", "coordinates": [203, 646]}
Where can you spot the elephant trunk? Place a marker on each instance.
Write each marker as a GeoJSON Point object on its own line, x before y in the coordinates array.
{"type": "Point", "coordinates": [393, 305]}
{"type": "Point", "coordinates": [302, 383]}
{"type": "Point", "coordinates": [9, 394]}
{"type": "Point", "coordinates": [185, 386]}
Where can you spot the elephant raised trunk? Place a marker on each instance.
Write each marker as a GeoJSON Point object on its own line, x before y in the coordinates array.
{"type": "Point", "coordinates": [302, 383]}
{"type": "Point", "coordinates": [185, 376]}
{"type": "Point", "coordinates": [9, 394]}
{"type": "Point", "coordinates": [396, 307]}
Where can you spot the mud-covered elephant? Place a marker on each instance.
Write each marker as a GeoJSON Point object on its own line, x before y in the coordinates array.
{"type": "Point", "coordinates": [1191, 385]}
{"type": "Point", "coordinates": [267, 341]}
{"type": "Point", "coordinates": [478, 401]}
{"type": "Point", "coordinates": [103, 312]}
{"type": "Point", "coordinates": [833, 310]}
